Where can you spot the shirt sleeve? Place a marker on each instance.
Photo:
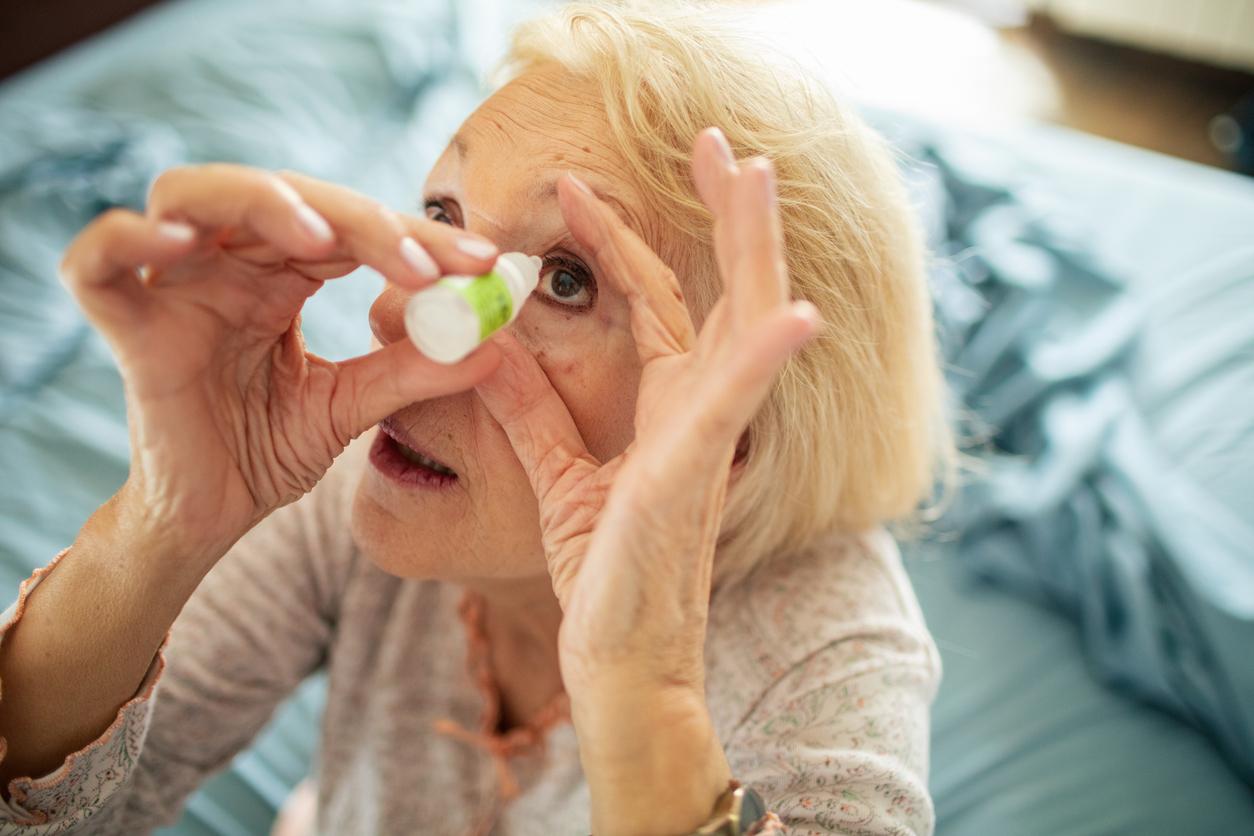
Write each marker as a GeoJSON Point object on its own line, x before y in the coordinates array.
{"type": "Point", "coordinates": [840, 743]}
{"type": "Point", "coordinates": [258, 624]}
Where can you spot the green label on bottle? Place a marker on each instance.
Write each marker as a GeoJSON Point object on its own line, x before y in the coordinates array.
{"type": "Point", "coordinates": [489, 298]}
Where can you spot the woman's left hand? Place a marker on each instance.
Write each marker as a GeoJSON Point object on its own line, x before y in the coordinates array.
{"type": "Point", "coordinates": [630, 542]}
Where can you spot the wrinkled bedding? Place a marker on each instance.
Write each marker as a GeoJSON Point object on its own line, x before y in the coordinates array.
{"type": "Point", "coordinates": [1112, 410]}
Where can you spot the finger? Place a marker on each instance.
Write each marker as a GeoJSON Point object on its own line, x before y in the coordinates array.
{"type": "Point", "coordinates": [106, 264]}
{"type": "Point", "coordinates": [755, 275]}
{"type": "Point", "coordinates": [375, 385]}
{"type": "Point", "coordinates": [715, 173]}
{"type": "Point", "coordinates": [521, 399]}
{"type": "Point", "coordinates": [411, 252]}
{"type": "Point", "coordinates": [739, 385]}
{"type": "Point", "coordinates": [223, 198]}
{"type": "Point", "coordinates": [113, 246]}
{"type": "Point", "coordinates": [713, 168]}
{"type": "Point", "coordinates": [715, 322]}
{"type": "Point", "coordinates": [660, 321]}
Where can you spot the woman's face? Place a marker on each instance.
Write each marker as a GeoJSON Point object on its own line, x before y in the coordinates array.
{"type": "Point", "coordinates": [497, 178]}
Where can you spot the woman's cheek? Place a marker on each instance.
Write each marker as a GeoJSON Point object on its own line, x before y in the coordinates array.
{"type": "Point", "coordinates": [552, 336]}
{"type": "Point", "coordinates": [591, 362]}
{"type": "Point", "coordinates": [558, 346]}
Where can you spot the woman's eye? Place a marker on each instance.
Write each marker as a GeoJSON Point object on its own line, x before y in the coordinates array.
{"type": "Point", "coordinates": [566, 285]}
{"type": "Point", "coordinates": [435, 212]}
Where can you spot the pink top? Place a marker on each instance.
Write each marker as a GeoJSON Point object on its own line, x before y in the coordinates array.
{"type": "Point", "coordinates": [820, 674]}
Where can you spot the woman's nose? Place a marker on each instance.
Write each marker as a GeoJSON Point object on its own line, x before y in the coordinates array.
{"type": "Point", "coordinates": [387, 315]}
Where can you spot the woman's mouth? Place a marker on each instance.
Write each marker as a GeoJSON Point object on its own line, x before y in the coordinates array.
{"type": "Point", "coordinates": [394, 455]}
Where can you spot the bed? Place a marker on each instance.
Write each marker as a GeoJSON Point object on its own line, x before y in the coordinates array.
{"type": "Point", "coordinates": [1093, 629]}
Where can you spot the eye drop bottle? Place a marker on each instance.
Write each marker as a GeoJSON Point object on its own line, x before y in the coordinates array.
{"type": "Point", "coordinates": [455, 315]}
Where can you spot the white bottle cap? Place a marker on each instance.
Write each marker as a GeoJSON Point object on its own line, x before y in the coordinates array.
{"type": "Point", "coordinates": [441, 321]}
{"type": "Point", "coordinates": [441, 324]}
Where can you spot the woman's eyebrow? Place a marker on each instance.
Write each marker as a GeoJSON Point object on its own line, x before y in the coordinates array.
{"type": "Point", "coordinates": [460, 145]}
{"type": "Point", "coordinates": [548, 191]}
{"type": "Point", "coordinates": [562, 241]}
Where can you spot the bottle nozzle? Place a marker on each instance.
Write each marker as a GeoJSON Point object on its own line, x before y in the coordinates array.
{"type": "Point", "coordinates": [528, 267]}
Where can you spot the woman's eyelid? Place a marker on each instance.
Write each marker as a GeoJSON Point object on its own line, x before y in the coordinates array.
{"type": "Point", "coordinates": [444, 205]}
{"type": "Point", "coordinates": [565, 250]}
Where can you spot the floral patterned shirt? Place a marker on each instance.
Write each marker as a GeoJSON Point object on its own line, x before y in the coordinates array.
{"type": "Point", "coordinates": [820, 677]}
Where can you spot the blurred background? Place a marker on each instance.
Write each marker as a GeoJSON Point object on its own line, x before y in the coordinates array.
{"type": "Point", "coordinates": [1083, 171]}
{"type": "Point", "coordinates": [1171, 76]}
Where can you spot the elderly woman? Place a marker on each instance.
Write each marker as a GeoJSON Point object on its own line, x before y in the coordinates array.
{"type": "Point", "coordinates": [622, 560]}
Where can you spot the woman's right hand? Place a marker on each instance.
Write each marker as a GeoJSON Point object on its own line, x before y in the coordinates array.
{"type": "Point", "coordinates": [230, 417]}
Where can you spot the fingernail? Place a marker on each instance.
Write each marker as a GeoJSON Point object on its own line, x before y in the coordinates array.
{"type": "Point", "coordinates": [806, 310]}
{"type": "Point", "coordinates": [766, 179]}
{"type": "Point", "coordinates": [288, 192]}
{"type": "Point", "coordinates": [182, 233]}
{"type": "Point", "coordinates": [476, 247]}
{"type": "Point", "coordinates": [313, 223]}
{"type": "Point", "coordinates": [579, 184]}
{"type": "Point", "coordinates": [724, 149]}
{"type": "Point", "coordinates": [418, 258]}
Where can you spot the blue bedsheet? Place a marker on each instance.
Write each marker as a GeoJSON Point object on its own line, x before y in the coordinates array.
{"type": "Point", "coordinates": [1097, 312]}
{"type": "Point", "coordinates": [1117, 403]}
{"type": "Point", "coordinates": [1045, 234]}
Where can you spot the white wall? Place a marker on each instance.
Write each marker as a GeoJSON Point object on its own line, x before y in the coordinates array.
{"type": "Point", "coordinates": [1215, 31]}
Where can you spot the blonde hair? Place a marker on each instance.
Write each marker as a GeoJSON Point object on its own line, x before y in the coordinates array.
{"type": "Point", "coordinates": [853, 434]}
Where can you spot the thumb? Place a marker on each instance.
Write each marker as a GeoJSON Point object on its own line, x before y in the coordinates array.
{"type": "Point", "coordinates": [371, 387]}
{"type": "Point", "coordinates": [521, 399]}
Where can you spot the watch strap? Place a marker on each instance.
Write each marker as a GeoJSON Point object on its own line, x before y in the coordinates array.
{"type": "Point", "coordinates": [735, 812]}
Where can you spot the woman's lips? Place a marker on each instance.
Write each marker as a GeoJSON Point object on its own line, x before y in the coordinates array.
{"type": "Point", "coordinates": [394, 456]}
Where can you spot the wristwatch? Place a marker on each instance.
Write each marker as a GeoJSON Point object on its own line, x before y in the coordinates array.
{"type": "Point", "coordinates": [734, 813]}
